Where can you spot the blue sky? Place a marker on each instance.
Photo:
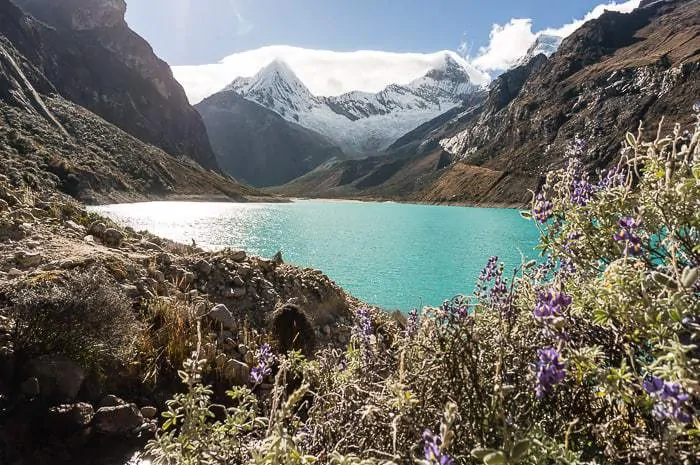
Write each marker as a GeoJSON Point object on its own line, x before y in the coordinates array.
{"type": "Point", "coordinates": [192, 32]}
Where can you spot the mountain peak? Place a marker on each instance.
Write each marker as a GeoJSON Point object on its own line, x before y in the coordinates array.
{"type": "Point", "coordinates": [77, 14]}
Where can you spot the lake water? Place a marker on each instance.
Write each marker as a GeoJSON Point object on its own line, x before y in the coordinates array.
{"type": "Point", "coordinates": [397, 256]}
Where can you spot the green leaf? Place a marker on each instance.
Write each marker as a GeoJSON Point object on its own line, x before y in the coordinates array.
{"type": "Point", "coordinates": [519, 449]}
{"type": "Point", "coordinates": [495, 458]}
{"type": "Point", "coordinates": [526, 214]}
{"type": "Point", "coordinates": [629, 137]}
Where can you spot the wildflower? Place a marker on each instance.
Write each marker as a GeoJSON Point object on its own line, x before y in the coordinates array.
{"type": "Point", "coordinates": [671, 401]}
{"type": "Point", "coordinates": [264, 366]}
{"type": "Point", "coordinates": [363, 331]}
{"type": "Point", "coordinates": [628, 235]}
{"type": "Point", "coordinates": [489, 272]}
{"type": "Point", "coordinates": [412, 323]}
{"type": "Point", "coordinates": [551, 304]}
{"type": "Point", "coordinates": [550, 371]}
{"type": "Point", "coordinates": [431, 448]}
{"type": "Point", "coordinates": [542, 210]}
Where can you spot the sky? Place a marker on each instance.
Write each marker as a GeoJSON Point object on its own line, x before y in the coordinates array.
{"type": "Point", "coordinates": [210, 42]}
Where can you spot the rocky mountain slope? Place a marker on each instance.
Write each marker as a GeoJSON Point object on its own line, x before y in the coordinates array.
{"type": "Point", "coordinates": [257, 145]}
{"type": "Point", "coordinates": [93, 59]}
{"type": "Point", "coordinates": [48, 140]}
{"type": "Point", "coordinates": [360, 123]}
{"type": "Point", "coordinates": [604, 79]}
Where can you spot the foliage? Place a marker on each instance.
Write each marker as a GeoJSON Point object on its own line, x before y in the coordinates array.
{"type": "Point", "coordinates": [587, 356]}
{"type": "Point", "coordinates": [80, 316]}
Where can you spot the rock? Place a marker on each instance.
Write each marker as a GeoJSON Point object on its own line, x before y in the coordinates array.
{"type": "Point", "coordinates": [277, 258]}
{"type": "Point", "coordinates": [149, 245]}
{"type": "Point", "coordinates": [14, 272]}
{"type": "Point", "coordinates": [73, 226]}
{"type": "Point", "coordinates": [238, 255]}
{"type": "Point", "coordinates": [118, 420]}
{"type": "Point", "coordinates": [27, 259]}
{"type": "Point", "coordinates": [30, 387]}
{"type": "Point", "coordinates": [97, 229]}
{"type": "Point", "coordinates": [238, 281]}
{"type": "Point", "coordinates": [130, 290]}
{"type": "Point", "coordinates": [203, 267]}
{"type": "Point", "coordinates": [90, 239]}
{"type": "Point", "coordinates": [159, 276]}
{"type": "Point", "coordinates": [59, 377]}
{"type": "Point", "coordinates": [69, 417]}
{"type": "Point", "coordinates": [149, 411]}
{"type": "Point", "coordinates": [113, 237]}
{"type": "Point", "coordinates": [222, 315]}
{"type": "Point", "coordinates": [111, 401]}
{"type": "Point", "coordinates": [327, 331]}
{"type": "Point", "coordinates": [164, 259]}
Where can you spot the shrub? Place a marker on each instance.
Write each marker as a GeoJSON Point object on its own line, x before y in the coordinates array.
{"type": "Point", "coordinates": [588, 356]}
{"type": "Point", "coordinates": [82, 316]}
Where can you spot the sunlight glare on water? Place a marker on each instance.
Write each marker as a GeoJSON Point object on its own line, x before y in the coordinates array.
{"type": "Point", "coordinates": [398, 256]}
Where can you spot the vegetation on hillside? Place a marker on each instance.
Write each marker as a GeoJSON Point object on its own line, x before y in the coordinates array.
{"type": "Point", "coordinates": [588, 356]}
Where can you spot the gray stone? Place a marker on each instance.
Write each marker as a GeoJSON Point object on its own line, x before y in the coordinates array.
{"type": "Point", "coordinates": [14, 272]}
{"type": "Point", "coordinates": [73, 226]}
{"type": "Point", "coordinates": [69, 417]}
{"type": "Point", "coordinates": [238, 281]}
{"type": "Point", "coordinates": [113, 237]}
{"type": "Point", "coordinates": [203, 267]}
{"type": "Point", "coordinates": [118, 420]}
{"type": "Point", "coordinates": [30, 387]}
{"type": "Point", "coordinates": [150, 245]}
{"type": "Point", "coordinates": [149, 411]}
{"type": "Point", "coordinates": [27, 259]}
{"type": "Point", "coordinates": [59, 377]}
{"type": "Point", "coordinates": [238, 255]}
{"type": "Point", "coordinates": [90, 239]}
{"type": "Point", "coordinates": [97, 228]}
{"type": "Point", "coordinates": [222, 315]}
{"type": "Point", "coordinates": [131, 291]}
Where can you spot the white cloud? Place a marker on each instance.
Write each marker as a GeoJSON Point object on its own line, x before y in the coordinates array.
{"type": "Point", "coordinates": [510, 41]}
{"type": "Point", "coordinates": [243, 25]}
{"type": "Point", "coordinates": [323, 71]}
{"type": "Point", "coordinates": [332, 73]}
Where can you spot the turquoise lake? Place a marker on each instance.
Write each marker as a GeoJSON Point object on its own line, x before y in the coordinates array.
{"type": "Point", "coordinates": [397, 256]}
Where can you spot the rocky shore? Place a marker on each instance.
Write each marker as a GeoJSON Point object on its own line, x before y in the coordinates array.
{"type": "Point", "coordinates": [54, 403]}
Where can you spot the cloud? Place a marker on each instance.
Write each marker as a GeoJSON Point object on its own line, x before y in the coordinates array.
{"type": "Point", "coordinates": [324, 72]}
{"type": "Point", "coordinates": [510, 41]}
{"type": "Point", "coordinates": [243, 25]}
{"type": "Point", "coordinates": [333, 73]}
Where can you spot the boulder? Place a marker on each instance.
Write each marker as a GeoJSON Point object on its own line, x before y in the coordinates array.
{"type": "Point", "coordinates": [73, 226]}
{"type": "Point", "coordinates": [238, 281]}
{"type": "Point", "coordinates": [26, 259]}
{"type": "Point", "coordinates": [68, 418]}
{"type": "Point", "coordinates": [113, 237]}
{"type": "Point", "coordinates": [222, 315]}
{"type": "Point", "coordinates": [149, 411]}
{"type": "Point", "coordinates": [118, 420]}
{"type": "Point", "coordinates": [59, 377]}
{"type": "Point", "coordinates": [203, 267]}
{"type": "Point", "coordinates": [97, 228]}
{"type": "Point", "coordinates": [238, 255]}
{"type": "Point", "coordinates": [111, 401]}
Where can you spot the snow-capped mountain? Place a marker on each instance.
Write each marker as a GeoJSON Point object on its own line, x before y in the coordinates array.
{"type": "Point", "coordinates": [546, 44]}
{"type": "Point", "coordinates": [360, 122]}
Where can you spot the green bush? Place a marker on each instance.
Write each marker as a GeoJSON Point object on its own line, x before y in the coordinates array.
{"type": "Point", "coordinates": [587, 356]}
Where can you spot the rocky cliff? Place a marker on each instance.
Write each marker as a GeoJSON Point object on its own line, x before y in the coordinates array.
{"type": "Point", "coordinates": [49, 141]}
{"type": "Point", "coordinates": [258, 146]}
{"type": "Point", "coordinates": [606, 78]}
{"type": "Point", "coordinates": [94, 60]}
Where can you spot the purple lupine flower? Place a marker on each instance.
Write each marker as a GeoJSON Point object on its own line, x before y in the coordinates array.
{"type": "Point", "coordinates": [363, 331]}
{"type": "Point", "coordinates": [613, 177]}
{"type": "Point", "coordinates": [671, 400]}
{"type": "Point", "coordinates": [542, 210]}
{"type": "Point", "coordinates": [431, 448]}
{"type": "Point", "coordinates": [628, 235]}
{"type": "Point", "coordinates": [581, 192]}
{"type": "Point", "coordinates": [550, 371]}
{"type": "Point", "coordinates": [498, 294]}
{"type": "Point", "coordinates": [489, 272]}
{"type": "Point", "coordinates": [264, 366]}
{"type": "Point", "coordinates": [412, 322]}
{"type": "Point", "coordinates": [551, 303]}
